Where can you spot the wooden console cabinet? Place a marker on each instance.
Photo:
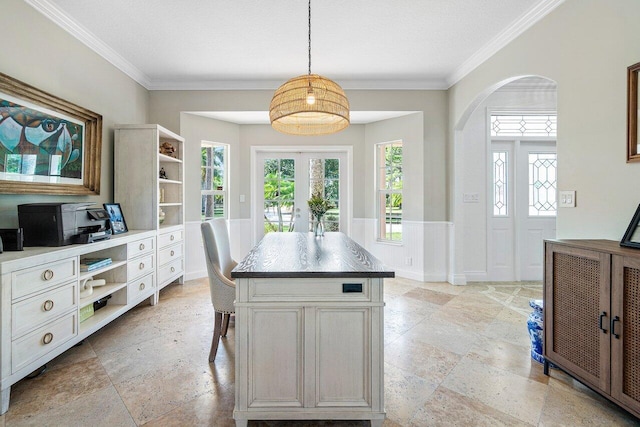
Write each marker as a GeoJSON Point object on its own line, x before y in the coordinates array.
{"type": "Point", "coordinates": [40, 302]}
{"type": "Point", "coordinates": [592, 316]}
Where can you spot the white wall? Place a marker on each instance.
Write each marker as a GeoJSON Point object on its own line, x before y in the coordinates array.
{"type": "Point", "coordinates": [475, 177]}
{"type": "Point", "coordinates": [39, 53]}
{"type": "Point", "coordinates": [586, 47]}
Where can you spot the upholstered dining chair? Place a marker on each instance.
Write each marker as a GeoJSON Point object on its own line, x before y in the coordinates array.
{"type": "Point", "coordinates": [219, 265]}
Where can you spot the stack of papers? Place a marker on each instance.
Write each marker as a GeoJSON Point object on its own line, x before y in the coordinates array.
{"type": "Point", "coordinates": [89, 264]}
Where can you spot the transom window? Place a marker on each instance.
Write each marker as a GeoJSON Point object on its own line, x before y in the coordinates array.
{"type": "Point", "coordinates": [389, 179]}
{"type": "Point", "coordinates": [524, 125]}
{"type": "Point", "coordinates": [214, 181]}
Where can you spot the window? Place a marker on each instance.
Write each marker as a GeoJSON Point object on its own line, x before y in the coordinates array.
{"type": "Point", "coordinates": [214, 181]}
{"type": "Point", "coordinates": [524, 125]}
{"type": "Point", "coordinates": [542, 184]}
{"type": "Point", "coordinates": [389, 190]}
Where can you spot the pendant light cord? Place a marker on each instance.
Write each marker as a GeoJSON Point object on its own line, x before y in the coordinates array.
{"type": "Point", "coordinates": [309, 37]}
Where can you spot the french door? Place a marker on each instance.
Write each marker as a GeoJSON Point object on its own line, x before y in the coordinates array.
{"type": "Point", "coordinates": [284, 181]}
{"type": "Point", "coordinates": [522, 207]}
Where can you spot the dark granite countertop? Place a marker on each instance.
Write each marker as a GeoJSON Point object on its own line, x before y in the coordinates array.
{"type": "Point", "coordinates": [293, 255]}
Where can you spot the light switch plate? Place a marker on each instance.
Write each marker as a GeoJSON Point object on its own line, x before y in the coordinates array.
{"type": "Point", "coordinates": [568, 199]}
{"type": "Point", "coordinates": [471, 197]}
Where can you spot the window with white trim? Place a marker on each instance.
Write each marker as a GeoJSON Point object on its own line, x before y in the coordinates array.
{"type": "Point", "coordinates": [389, 179]}
{"type": "Point", "coordinates": [214, 180]}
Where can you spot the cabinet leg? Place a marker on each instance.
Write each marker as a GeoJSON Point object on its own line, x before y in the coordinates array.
{"type": "Point", "coordinates": [377, 422]}
{"type": "Point", "coordinates": [546, 367]}
{"type": "Point", "coordinates": [153, 299]}
{"type": "Point", "coordinates": [4, 396]}
{"type": "Point", "coordinates": [241, 423]}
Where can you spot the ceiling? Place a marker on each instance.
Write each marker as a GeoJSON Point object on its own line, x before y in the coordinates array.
{"type": "Point", "coordinates": [252, 44]}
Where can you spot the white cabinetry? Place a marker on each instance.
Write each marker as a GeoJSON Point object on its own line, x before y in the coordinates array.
{"type": "Point", "coordinates": [40, 301]}
{"type": "Point", "coordinates": [311, 352]}
{"type": "Point", "coordinates": [149, 186]}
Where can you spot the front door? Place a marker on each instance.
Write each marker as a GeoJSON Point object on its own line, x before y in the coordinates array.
{"type": "Point", "coordinates": [286, 180]}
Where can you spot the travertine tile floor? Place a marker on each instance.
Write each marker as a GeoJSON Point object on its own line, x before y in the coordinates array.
{"type": "Point", "coordinates": [454, 356]}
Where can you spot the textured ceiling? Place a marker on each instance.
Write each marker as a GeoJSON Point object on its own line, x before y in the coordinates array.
{"type": "Point", "coordinates": [252, 44]}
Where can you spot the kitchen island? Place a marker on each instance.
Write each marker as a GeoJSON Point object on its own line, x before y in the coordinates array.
{"type": "Point", "coordinates": [309, 330]}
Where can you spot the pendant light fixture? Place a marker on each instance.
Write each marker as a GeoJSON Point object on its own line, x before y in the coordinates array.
{"type": "Point", "coordinates": [309, 104]}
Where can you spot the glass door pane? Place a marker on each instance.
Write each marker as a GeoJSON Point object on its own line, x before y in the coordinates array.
{"type": "Point", "coordinates": [279, 195]}
{"type": "Point", "coordinates": [324, 180]}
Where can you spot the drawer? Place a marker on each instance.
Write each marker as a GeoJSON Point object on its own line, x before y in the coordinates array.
{"type": "Point", "coordinates": [170, 238]}
{"type": "Point", "coordinates": [36, 344]}
{"type": "Point", "coordinates": [29, 280]}
{"type": "Point", "coordinates": [346, 289]}
{"type": "Point", "coordinates": [140, 247]}
{"type": "Point", "coordinates": [169, 254]}
{"type": "Point", "coordinates": [41, 308]}
{"type": "Point", "coordinates": [141, 288]}
{"type": "Point", "coordinates": [170, 271]}
{"type": "Point", "coordinates": [139, 267]}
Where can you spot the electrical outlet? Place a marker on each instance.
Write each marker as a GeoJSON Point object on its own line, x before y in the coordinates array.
{"type": "Point", "coordinates": [471, 197]}
{"type": "Point", "coordinates": [408, 261]}
{"type": "Point", "coordinates": [568, 199]}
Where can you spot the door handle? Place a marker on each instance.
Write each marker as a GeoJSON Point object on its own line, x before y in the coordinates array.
{"type": "Point", "coordinates": [602, 315]}
{"type": "Point", "coordinates": [613, 327]}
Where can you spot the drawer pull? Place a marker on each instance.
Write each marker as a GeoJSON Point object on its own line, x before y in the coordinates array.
{"type": "Point", "coordinates": [173, 269]}
{"type": "Point", "coordinates": [48, 274]}
{"type": "Point", "coordinates": [141, 246]}
{"type": "Point", "coordinates": [48, 305]}
{"type": "Point", "coordinates": [141, 266]}
{"type": "Point", "coordinates": [172, 238]}
{"type": "Point", "coordinates": [141, 286]}
{"type": "Point", "coordinates": [47, 338]}
{"type": "Point", "coordinates": [172, 253]}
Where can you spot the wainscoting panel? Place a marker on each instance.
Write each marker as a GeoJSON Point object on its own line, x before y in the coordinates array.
{"type": "Point", "coordinates": [423, 254]}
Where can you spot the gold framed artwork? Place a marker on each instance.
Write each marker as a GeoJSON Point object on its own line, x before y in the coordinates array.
{"type": "Point", "coordinates": [633, 151]}
{"type": "Point", "coordinates": [47, 145]}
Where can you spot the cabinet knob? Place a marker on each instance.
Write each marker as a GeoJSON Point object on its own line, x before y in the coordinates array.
{"type": "Point", "coordinates": [141, 246]}
{"type": "Point", "coordinates": [48, 274]}
{"type": "Point", "coordinates": [47, 338]}
{"type": "Point", "coordinates": [172, 253]}
{"type": "Point", "coordinates": [173, 269]}
{"type": "Point", "coordinates": [141, 266]}
{"type": "Point", "coordinates": [141, 286]}
{"type": "Point", "coordinates": [172, 238]}
{"type": "Point", "coordinates": [48, 305]}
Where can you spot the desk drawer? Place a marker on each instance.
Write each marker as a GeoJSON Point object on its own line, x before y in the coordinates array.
{"type": "Point", "coordinates": [39, 309]}
{"type": "Point", "coordinates": [43, 340]}
{"type": "Point", "coordinates": [169, 254]}
{"type": "Point", "coordinates": [169, 238]}
{"type": "Point", "coordinates": [358, 289]}
{"type": "Point", "coordinates": [141, 288]}
{"type": "Point", "coordinates": [43, 276]}
{"type": "Point", "coordinates": [139, 267]}
{"type": "Point", "coordinates": [170, 271]}
{"type": "Point", "coordinates": [140, 247]}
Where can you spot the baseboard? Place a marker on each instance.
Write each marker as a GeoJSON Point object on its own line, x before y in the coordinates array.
{"type": "Point", "coordinates": [476, 276]}
{"type": "Point", "coordinates": [457, 279]}
{"type": "Point", "coordinates": [193, 275]}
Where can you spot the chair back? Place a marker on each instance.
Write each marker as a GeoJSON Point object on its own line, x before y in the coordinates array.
{"type": "Point", "coordinates": [219, 264]}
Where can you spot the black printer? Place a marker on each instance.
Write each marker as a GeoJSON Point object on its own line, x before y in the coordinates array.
{"type": "Point", "coordinates": [59, 224]}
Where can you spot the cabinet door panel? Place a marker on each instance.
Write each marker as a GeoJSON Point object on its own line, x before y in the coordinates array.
{"type": "Point", "coordinates": [275, 357]}
{"type": "Point", "coordinates": [577, 292]}
{"type": "Point", "coordinates": [343, 358]}
{"type": "Point", "coordinates": [625, 349]}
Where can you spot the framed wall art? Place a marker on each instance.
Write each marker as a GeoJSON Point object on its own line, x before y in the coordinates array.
{"type": "Point", "coordinates": [633, 151]}
{"type": "Point", "coordinates": [47, 145]}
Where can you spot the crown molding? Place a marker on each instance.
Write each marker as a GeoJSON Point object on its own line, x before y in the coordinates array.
{"type": "Point", "coordinates": [510, 33]}
{"type": "Point", "coordinates": [382, 84]}
{"type": "Point", "coordinates": [56, 15]}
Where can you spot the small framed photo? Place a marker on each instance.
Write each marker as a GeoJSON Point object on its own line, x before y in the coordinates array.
{"type": "Point", "coordinates": [631, 238]}
{"type": "Point", "coordinates": [118, 225]}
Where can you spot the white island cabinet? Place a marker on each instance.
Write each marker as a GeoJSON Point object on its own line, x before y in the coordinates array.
{"type": "Point", "coordinates": [309, 330]}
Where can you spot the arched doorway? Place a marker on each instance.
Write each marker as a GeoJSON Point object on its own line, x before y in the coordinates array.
{"type": "Point", "coordinates": [503, 244]}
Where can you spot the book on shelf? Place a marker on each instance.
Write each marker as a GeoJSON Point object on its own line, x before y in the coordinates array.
{"type": "Point", "coordinates": [89, 264]}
